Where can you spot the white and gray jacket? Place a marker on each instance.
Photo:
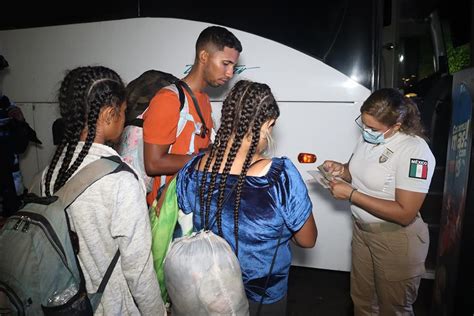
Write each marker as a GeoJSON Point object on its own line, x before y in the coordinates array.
{"type": "Point", "coordinates": [112, 214]}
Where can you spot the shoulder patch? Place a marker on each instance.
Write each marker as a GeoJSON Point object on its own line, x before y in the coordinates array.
{"type": "Point", "coordinates": [418, 169]}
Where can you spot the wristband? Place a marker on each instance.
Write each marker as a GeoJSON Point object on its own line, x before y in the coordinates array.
{"type": "Point", "coordinates": [350, 195]}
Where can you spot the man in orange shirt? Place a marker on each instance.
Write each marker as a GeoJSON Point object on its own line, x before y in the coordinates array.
{"type": "Point", "coordinates": [168, 142]}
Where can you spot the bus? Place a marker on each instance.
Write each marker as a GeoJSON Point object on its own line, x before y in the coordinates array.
{"type": "Point", "coordinates": [321, 62]}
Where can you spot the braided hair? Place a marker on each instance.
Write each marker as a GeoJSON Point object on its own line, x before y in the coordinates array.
{"type": "Point", "coordinates": [246, 108]}
{"type": "Point", "coordinates": [83, 93]}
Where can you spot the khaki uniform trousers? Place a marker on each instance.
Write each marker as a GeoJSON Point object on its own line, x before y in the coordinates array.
{"type": "Point", "coordinates": [387, 263]}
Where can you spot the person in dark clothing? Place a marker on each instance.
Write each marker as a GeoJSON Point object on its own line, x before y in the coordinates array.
{"type": "Point", "coordinates": [15, 135]}
{"type": "Point", "coordinates": [9, 163]}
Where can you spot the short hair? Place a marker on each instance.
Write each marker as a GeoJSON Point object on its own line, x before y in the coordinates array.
{"type": "Point", "coordinates": [218, 36]}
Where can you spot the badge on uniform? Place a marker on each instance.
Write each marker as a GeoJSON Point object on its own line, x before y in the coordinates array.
{"type": "Point", "coordinates": [385, 155]}
{"type": "Point", "coordinates": [418, 169]}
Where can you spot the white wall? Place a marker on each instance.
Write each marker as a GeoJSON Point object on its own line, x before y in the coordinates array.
{"type": "Point", "coordinates": [318, 103]}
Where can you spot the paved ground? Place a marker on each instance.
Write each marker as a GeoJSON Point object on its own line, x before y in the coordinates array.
{"type": "Point", "coordinates": [326, 293]}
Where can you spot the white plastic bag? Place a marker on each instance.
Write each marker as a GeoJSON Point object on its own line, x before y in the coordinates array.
{"type": "Point", "coordinates": [203, 277]}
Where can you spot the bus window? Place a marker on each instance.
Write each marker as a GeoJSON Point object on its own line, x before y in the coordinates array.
{"type": "Point", "coordinates": [416, 59]}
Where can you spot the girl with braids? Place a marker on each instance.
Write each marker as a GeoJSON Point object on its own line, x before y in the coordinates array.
{"type": "Point", "coordinates": [390, 171]}
{"type": "Point", "coordinates": [250, 200]}
{"type": "Point", "coordinates": [112, 212]}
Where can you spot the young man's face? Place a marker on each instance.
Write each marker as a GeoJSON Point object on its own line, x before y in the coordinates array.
{"type": "Point", "coordinates": [219, 67]}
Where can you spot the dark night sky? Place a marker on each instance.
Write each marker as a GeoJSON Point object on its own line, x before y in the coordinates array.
{"type": "Point", "coordinates": [284, 22]}
{"type": "Point", "coordinates": [20, 13]}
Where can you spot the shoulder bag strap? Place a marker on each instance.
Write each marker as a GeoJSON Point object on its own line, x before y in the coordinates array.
{"type": "Point", "coordinates": [271, 269]}
{"type": "Point", "coordinates": [88, 176]}
{"type": "Point", "coordinates": [204, 129]}
{"type": "Point", "coordinates": [108, 273]}
{"type": "Point", "coordinates": [181, 96]}
{"type": "Point", "coordinates": [78, 184]}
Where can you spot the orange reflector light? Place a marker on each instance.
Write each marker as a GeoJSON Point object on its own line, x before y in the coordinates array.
{"type": "Point", "coordinates": [306, 158]}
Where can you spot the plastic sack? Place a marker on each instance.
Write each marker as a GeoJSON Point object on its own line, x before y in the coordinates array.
{"type": "Point", "coordinates": [163, 228]}
{"type": "Point", "coordinates": [203, 277]}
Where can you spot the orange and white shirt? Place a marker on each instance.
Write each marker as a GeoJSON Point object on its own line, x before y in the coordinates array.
{"type": "Point", "coordinates": [164, 124]}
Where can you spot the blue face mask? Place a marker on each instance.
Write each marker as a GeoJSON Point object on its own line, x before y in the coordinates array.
{"type": "Point", "coordinates": [369, 135]}
{"type": "Point", "coordinates": [374, 137]}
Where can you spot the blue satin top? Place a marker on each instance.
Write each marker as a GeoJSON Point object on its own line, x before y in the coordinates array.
{"type": "Point", "coordinates": [279, 200]}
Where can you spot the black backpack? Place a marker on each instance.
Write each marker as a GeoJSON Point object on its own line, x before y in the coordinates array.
{"type": "Point", "coordinates": [142, 89]}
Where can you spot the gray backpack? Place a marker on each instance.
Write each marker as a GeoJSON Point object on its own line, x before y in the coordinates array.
{"type": "Point", "coordinates": [39, 270]}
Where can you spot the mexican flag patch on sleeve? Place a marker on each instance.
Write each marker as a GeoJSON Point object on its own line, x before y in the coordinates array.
{"type": "Point", "coordinates": [418, 169]}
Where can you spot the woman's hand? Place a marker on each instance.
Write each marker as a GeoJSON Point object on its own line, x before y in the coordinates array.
{"type": "Point", "coordinates": [336, 169]}
{"type": "Point", "coordinates": [340, 190]}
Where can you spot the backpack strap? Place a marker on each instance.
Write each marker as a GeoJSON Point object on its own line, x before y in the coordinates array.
{"type": "Point", "coordinates": [184, 117]}
{"type": "Point", "coordinates": [204, 128]}
{"type": "Point", "coordinates": [89, 175]}
{"type": "Point", "coordinates": [75, 187]}
{"type": "Point", "coordinates": [108, 273]}
{"type": "Point", "coordinates": [271, 269]}
{"type": "Point", "coordinates": [181, 96]}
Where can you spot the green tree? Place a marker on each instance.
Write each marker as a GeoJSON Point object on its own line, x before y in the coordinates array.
{"type": "Point", "coordinates": [458, 57]}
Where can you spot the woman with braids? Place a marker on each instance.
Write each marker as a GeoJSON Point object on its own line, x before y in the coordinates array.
{"type": "Point", "coordinates": [390, 172]}
{"type": "Point", "coordinates": [112, 212]}
{"type": "Point", "coordinates": [251, 201]}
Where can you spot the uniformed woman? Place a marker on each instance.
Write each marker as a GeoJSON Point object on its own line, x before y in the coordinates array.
{"type": "Point", "coordinates": [389, 173]}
